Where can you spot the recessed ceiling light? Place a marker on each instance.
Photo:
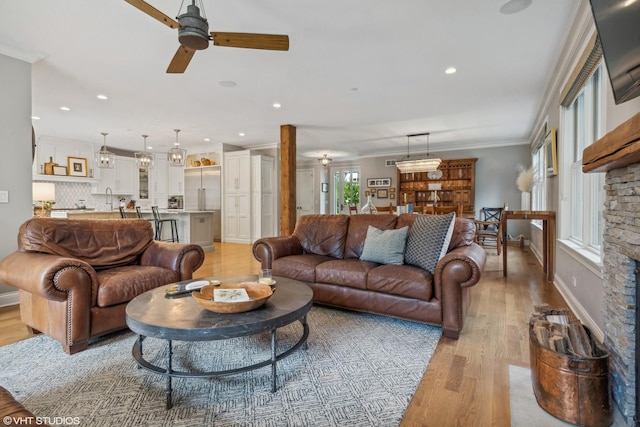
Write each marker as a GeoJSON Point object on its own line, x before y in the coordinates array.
{"type": "Point", "coordinates": [35, 118]}
{"type": "Point", "coordinates": [514, 6]}
{"type": "Point", "coordinates": [207, 140]}
{"type": "Point", "coordinates": [276, 105]}
{"type": "Point", "coordinates": [63, 108]}
{"type": "Point", "coordinates": [227, 83]}
{"type": "Point", "coordinates": [354, 89]}
{"type": "Point", "coordinates": [241, 134]}
{"type": "Point", "coordinates": [103, 97]}
{"type": "Point", "coordinates": [450, 70]}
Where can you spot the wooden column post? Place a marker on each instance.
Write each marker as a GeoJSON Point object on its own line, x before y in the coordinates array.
{"type": "Point", "coordinates": [287, 179]}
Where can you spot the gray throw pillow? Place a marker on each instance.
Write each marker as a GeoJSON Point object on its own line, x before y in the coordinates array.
{"type": "Point", "coordinates": [384, 246]}
{"type": "Point", "coordinates": [428, 240]}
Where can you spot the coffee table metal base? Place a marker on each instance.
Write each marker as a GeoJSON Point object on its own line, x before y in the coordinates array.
{"type": "Point", "coordinates": [138, 355]}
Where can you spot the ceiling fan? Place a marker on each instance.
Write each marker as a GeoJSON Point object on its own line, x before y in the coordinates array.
{"type": "Point", "coordinates": [193, 34]}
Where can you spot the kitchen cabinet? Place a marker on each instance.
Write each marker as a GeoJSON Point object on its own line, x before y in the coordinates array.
{"type": "Point", "coordinates": [122, 179]}
{"type": "Point", "coordinates": [457, 181]}
{"type": "Point", "coordinates": [262, 193]}
{"type": "Point", "coordinates": [201, 229]}
{"type": "Point", "coordinates": [176, 180]}
{"type": "Point", "coordinates": [237, 197]}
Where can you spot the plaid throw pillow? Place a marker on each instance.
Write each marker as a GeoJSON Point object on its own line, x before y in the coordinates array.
{"type": "Point", "coordinates": [428, 240]}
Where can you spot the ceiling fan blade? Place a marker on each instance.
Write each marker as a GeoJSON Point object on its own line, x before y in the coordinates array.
{"type": "Point", "coordinates": [180, 60]}
{"type": "Point", "coordinates": [251, 41]}
{"type": "Point", "coordinates": [153, 12]}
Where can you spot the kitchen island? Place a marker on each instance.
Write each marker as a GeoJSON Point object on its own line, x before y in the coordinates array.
{"type": "Point", "coordinates": [197, 227]}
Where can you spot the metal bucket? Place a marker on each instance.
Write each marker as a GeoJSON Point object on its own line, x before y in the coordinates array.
{"type": "Point", "coordinates": [572, 388]}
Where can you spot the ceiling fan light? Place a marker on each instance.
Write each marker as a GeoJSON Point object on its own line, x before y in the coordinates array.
{"type": "Point", "coordinates": [194, 29]}
{"type": "Point", "coordinates": [104, 158]}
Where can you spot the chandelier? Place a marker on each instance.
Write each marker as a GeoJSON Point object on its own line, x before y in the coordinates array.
{"type": "Point", "coordinates": [177, 155]}
{"type": "Point", "coordinates": [325, 161]}
{"type": "Point", "coordinates": [144, 160]}
{"type": "Point", "coordinates": [427, 164]}
{"type": "Point", "coordinates": [104, 158]}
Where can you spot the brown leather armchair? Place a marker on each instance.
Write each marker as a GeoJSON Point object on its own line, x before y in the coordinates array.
{"type": "Point", "coordinates": [77, 276]}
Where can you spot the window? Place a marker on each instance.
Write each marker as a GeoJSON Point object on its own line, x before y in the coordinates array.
{"type": "Point", "coordinates": [583, 192]}
{"type": "Point", "coordinates": [539, 188]}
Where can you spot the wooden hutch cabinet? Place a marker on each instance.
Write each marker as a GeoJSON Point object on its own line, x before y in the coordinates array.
{"type": "Point", "coordinates": [457, 180]}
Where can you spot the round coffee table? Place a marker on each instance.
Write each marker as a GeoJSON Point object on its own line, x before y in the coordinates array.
{"type": "Point", "coordinates": [153, 314]}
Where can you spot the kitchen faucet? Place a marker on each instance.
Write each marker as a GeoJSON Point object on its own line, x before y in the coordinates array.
{"type": "Point", "coordinates": [109, 193]}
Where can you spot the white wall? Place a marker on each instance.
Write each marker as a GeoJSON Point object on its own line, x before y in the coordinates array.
{"type": "Point", "coordinates": [15, 164]}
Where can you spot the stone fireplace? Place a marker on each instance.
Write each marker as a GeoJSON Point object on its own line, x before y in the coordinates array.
{"type": "Point", "coordinates": [618, 154]}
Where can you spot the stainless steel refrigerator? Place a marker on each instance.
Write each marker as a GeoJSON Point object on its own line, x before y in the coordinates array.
{"type": "Point", "coordinates": [202, 189]}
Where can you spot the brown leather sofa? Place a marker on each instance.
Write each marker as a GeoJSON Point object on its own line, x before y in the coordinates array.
{"type": "Point", "coordinates": [77, 276]}
{"type": "Point", "coordinates": [324, 252]}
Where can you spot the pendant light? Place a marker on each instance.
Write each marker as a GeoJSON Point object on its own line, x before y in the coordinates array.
{"type": "Point", "coordinates": [428, 164]}
{"type": "Point", "coordinates": [144, 160]}
{"type": "Point", "coordinates": [104, 158]}
{"type": "Point", "coordinates": [177, 155]}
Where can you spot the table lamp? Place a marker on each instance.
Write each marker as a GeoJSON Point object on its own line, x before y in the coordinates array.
{"type": "Point", "coordinates": [43, 192]}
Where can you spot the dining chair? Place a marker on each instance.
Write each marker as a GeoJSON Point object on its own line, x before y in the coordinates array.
{"type": "Point", "coordinates": [489, 228]}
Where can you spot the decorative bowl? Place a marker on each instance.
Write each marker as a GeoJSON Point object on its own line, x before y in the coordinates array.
{"type": "Point", "coordinates": [258, 293]}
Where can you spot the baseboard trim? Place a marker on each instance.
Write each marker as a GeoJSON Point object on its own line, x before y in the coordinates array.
{"type": "Point", "coordinates": [9, 298]}
{"type": "Point", "coordinates": [578, 309]}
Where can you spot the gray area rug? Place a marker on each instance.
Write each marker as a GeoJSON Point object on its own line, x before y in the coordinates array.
{"type": "Point", "coordinates": [525, 411]}
{"type": "Point", "coordinates": [359, 370]}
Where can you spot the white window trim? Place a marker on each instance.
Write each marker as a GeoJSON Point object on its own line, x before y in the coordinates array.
{"type": "Point", "coordinates": [583, 251]}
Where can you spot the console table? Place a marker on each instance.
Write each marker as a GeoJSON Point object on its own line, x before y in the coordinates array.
{"type": "Point", "coordinates": [548, 237]}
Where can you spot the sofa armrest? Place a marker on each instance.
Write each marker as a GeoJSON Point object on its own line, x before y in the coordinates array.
{"type": "Point", "coordinates": [454, 274]}
{"type": "Point", "coordinates": [185, 258]}
{"type": "Point", "coordinates": [268, 249]}
{"type": "Point", "coordinates": [50, 276]}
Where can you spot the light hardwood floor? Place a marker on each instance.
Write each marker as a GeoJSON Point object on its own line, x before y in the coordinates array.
{"type": "Point", "coordinates": [466, 383]}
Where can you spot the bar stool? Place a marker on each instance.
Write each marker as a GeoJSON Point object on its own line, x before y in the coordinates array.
{"type": "Point", "coordinates": [123, 214]}
{"type": "Point", "coordinates": [159, 223]}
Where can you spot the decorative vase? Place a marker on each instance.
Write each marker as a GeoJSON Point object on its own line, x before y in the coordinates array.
{"type": "Point", "coordinates": [369, 207]}
{"type": "Point", "coordinates": [525, 201]}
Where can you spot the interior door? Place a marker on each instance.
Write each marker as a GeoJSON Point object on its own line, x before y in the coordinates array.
{"type": "Point", "coordinates": [305, 194]}
{"type": "Point", "coordinates": [345, 189]}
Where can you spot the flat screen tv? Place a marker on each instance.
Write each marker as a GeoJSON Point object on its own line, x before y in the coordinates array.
{"type": "Point", "coordinates": [618, 25]}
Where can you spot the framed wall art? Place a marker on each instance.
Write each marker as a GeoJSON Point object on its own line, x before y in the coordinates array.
{"type": "Point", "coordinates": [77, 166]}
{"type": "Point", "coordinates": [378, 182]}
{"type": "Point", "coordinates": [60, 170]}
{"type": "Point", "coordinates": [383, 194]}
{"type": "Point", "coordinates": [551, 153]}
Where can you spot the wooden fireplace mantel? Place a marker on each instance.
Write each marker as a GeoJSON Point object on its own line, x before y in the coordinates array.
{"type": "Point", "coordinates": [617, 149]}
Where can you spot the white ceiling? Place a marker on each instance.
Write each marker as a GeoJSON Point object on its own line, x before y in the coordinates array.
{"type": "Point", "coordinates": [358, 76]}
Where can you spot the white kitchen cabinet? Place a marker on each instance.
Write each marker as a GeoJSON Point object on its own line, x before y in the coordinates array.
{"type": "Point", "coordinates": [176, 180]}
{"type": "Point", "coordinates": [237, 197]}
{"type": "Point", "coordinates": [160, 173]}
{"type": "Point", "coordinates": [262, 186]}
{"type": "Point", "coordinates": [122, 179]}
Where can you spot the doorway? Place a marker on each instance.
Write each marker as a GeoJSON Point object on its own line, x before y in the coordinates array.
{"type": "Point", "coordinates": [305, 194]}
{"type": "Point", "coordinates": [345, 189]}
